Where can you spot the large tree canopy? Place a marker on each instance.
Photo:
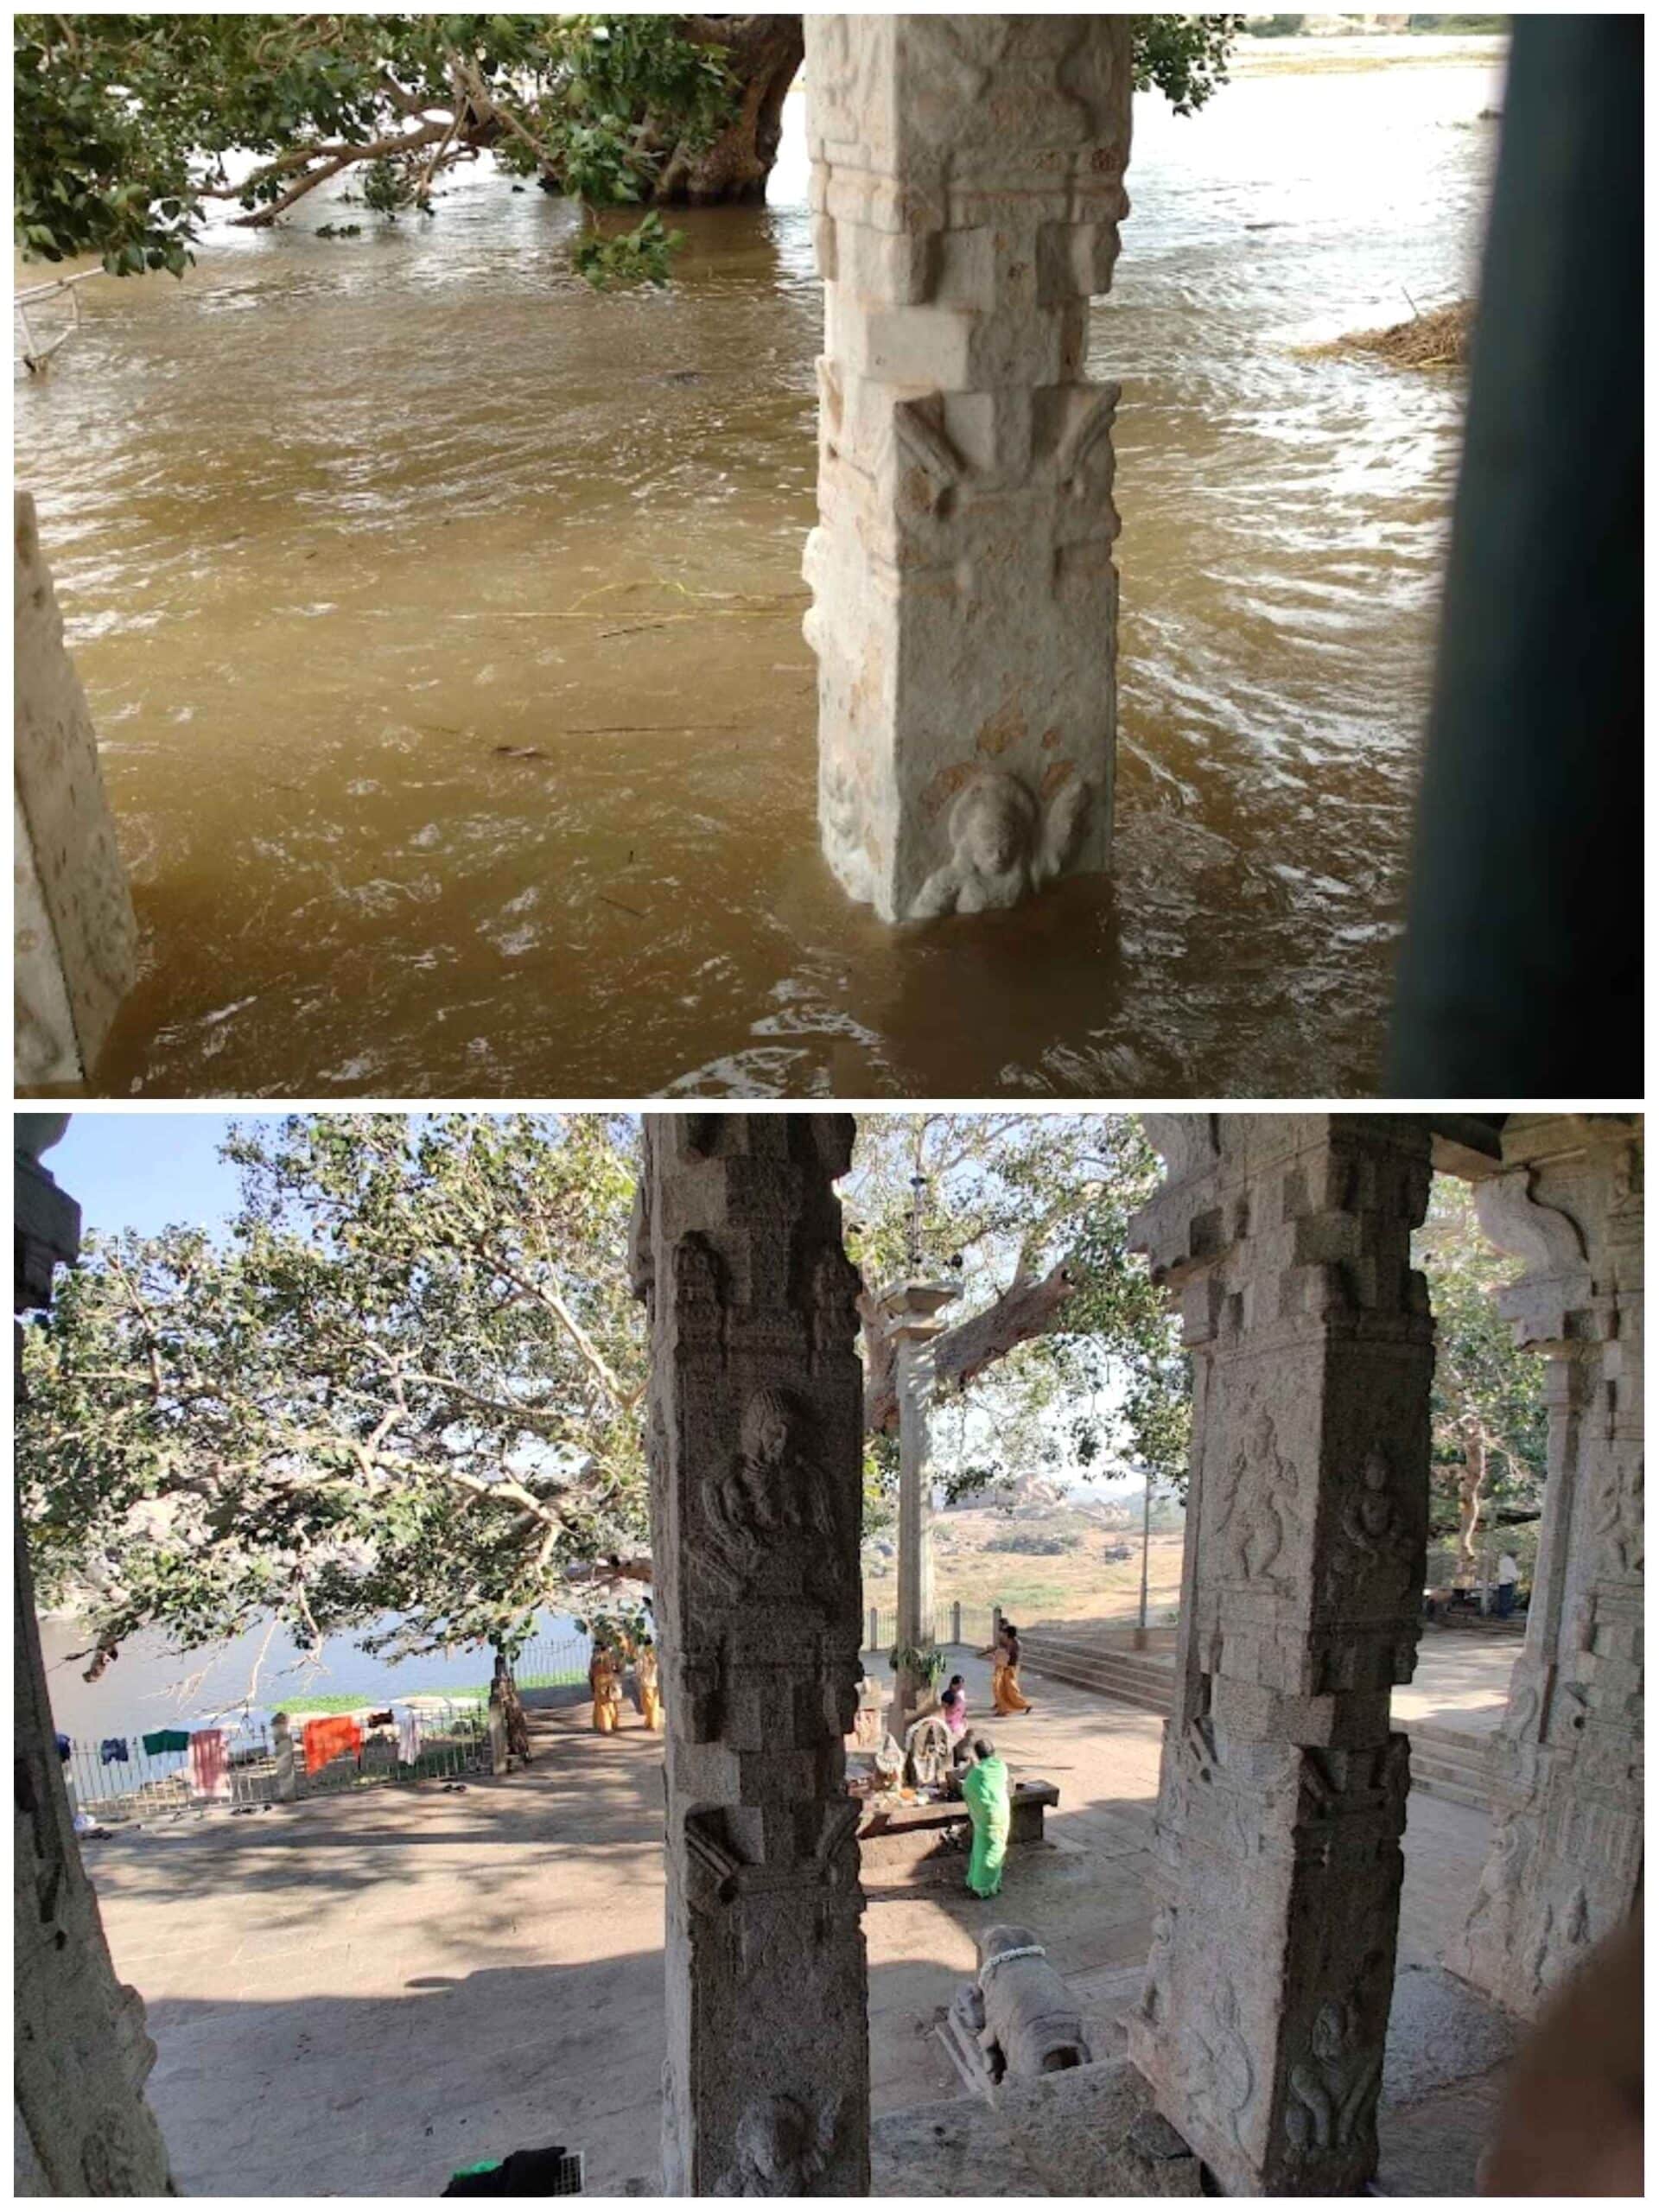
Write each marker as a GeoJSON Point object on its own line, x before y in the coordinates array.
{"type": "Point", "coordinates": [1060, 1350]}
{"type": "Point", "coordinates": [409, 1381]}
{"type": "Point", "coordinates": [123, 123]}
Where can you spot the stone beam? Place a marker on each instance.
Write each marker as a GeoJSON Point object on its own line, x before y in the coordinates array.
{"type": "Point", "coordinates": [1565, 1862]}
{"type": "Point", "coordinates": [968, 186]}
{"type": "Point", "coordinates": [754, 1435]}
{"type": "Point", "coordinates": [1286, 1241]}
{"type": "Point", "coordinates": [81, 2053]}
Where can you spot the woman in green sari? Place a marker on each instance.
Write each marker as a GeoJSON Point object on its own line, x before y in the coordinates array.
{"type": "Point", "coordinates": [985, 1793]}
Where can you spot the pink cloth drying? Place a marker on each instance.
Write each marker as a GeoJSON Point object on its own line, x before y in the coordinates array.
{"type": "Point", "coordinates": [210, 1766]}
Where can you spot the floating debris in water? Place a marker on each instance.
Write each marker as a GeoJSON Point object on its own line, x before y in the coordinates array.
{"type": "Point", "coordinates": [1437, 338]}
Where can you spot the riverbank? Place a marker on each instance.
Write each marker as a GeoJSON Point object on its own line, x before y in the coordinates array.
{"type": "Point", "coordinates": [151, 1686]}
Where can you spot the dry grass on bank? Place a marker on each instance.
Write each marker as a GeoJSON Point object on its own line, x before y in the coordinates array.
{"type": "Point", "coordinates": [1438, 339]}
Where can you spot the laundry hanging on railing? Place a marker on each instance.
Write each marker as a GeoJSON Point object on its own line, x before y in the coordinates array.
{"type": "Point", "coordinates": [166, 1739]}
{"type": "Point", "coordinates": [409, 1734]}
{"type": "Point", "coordinates": [210, 1772]}
{"type": "Point", "coordinates": [113, 1748]}
{"type": "Point", "coordinates": [64, 1746]}
{"type": "Point", "coordinates": [335, 1737]}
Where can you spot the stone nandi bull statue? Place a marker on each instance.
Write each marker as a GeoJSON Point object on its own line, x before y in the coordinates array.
{"type": "Point", "coordinates": [1017, 2018]}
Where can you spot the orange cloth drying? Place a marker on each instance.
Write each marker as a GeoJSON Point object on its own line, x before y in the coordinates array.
{"type": "Point", "coordinates": [330, 1739]}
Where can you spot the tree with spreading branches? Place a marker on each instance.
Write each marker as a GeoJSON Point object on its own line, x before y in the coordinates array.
{"type": "Point", "coordinates": [127, 126]}
{"type": "Point", "coordinates": [406, 1383]}
{"type": "Point", "coordinates": [1072, 1361]}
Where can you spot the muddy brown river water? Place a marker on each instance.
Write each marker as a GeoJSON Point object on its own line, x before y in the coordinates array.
{"type": "Point", "coordinates": [441, 621]}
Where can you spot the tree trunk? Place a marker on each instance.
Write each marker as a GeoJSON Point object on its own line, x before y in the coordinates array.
{"type": "Point", "coordinates": [764, 54]}
{"type": "Point", "coordinates": [1471, 1483]}
{"type": "Point", "coordinates": [512, 1710]}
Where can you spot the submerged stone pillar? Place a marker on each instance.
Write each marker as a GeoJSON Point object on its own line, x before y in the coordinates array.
{"type": "Point", "coordinates": [74, 938]}
{"type": "Point", "coordinates": [1564, 1861]}
{"type": "Point", "coordinates": [82, 2052]}
{"type": "Point", "coordinates": [967, 187]}
{"type": "Point", "coordinates": [909, 1313]}
{"type": "Point", "coordinates": [1282, 1797]}
{"type": "Point", "coordinates": [754, 1435]}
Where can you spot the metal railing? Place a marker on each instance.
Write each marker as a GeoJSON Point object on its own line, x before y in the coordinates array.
{"type": "Point", "coordinates": [114, 1778]}
{"type": "Point", "coordinates": [953, 1623]}
{"type": "Point", "coordinates": [454, 1740]}
{"type": "Point", "coordinates": [553, 1662]}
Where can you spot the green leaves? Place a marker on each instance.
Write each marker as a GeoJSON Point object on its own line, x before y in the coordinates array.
{"type": "Point", "coordinates": [1487, 1407]}
{"type": "Point", "coordinates": [1012, 1195]}
{"type": "Point", "coordinates": [1184, 57]}
{"type": "Point", "coordinates": [122, 122]}
{"type": "Point", "coordinates": [638, 256]}
{"type": "Point", "coordinates": [409, 1382]}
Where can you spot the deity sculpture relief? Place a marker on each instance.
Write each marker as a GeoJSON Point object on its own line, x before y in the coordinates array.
{"type": "Point", "coordinates": [1156, 1996]}
{"type": "Point", "coordinates": [1215, 2066]}
{"type": "Point", "coordinates": [1374, 1557]}
{"type": "Point", "coordinates": [781, 2148]}
{"type": "Point", "coordinates": [836, 1283]}
{"type": "Point", "coordinates": [1618, 1518]}
{"type": "Point", "coordinates": [1259, 1508]}
{"type": "Point", "coordinates": [772, 1508]}
{"type": "Point", "coordinates": [1334, 2084]}
{"type": "Point", "coordinates": [1506, 1862]}
{"type": "Point", "coordinates": [1003, 845]}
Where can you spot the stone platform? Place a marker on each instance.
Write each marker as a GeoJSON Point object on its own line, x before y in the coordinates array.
{"type": "Point", "coordinates": [915, 1835]}
{"type": "Point", "coordinates": [1089, 2132]}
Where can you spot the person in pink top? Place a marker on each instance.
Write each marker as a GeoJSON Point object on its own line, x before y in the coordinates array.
{"type": "Point", "coordinates": [954, 1707]}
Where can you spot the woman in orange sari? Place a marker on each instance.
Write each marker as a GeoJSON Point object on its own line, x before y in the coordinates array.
{"type": "Point", "coordinates": [1005, 1673]}
{"type": "Point", "coordinates": [605, 1682]}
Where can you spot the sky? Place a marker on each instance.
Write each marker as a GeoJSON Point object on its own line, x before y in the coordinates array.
{"type": "Point", "coordinates": [147, 1171]}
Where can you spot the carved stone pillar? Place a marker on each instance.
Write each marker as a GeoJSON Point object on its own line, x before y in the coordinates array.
{"type": "Point", "coordinates": [967, 186]}
{"type": "Point", "coordinates": [909, 1313]}
{"type": "Point", "coordinates": [755, 1441]}
{"type": "Point", "coordinates": [82, 2052]}
{"type": "Point", "coordinates": [1287, 1240]}
{"type": "Point", "coordinates": [1565, 1865]}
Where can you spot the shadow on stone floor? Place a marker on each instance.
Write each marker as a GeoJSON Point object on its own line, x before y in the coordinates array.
{"type": "Point", "coordinates": [326, 1984]}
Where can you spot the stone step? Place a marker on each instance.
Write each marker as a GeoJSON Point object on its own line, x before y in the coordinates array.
{"type": "Point", "coordinates": [1430, 1761]}
{"type": "Point", "coordinates": [1099, 1648]}
{"type": "Point", "coordinates": [1475, 1796]}
{"type": "Point", "coordinates": [1144, 1689]}
{"type": "Point", "coordinates": [1157, 1678]}
{"type": "Point", "coordinates": [1074, 1647]}
{"type": "Point", "coordinates": [1464, 1742]}
{"type": "Point", "coordinates": [1450, 1763]}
